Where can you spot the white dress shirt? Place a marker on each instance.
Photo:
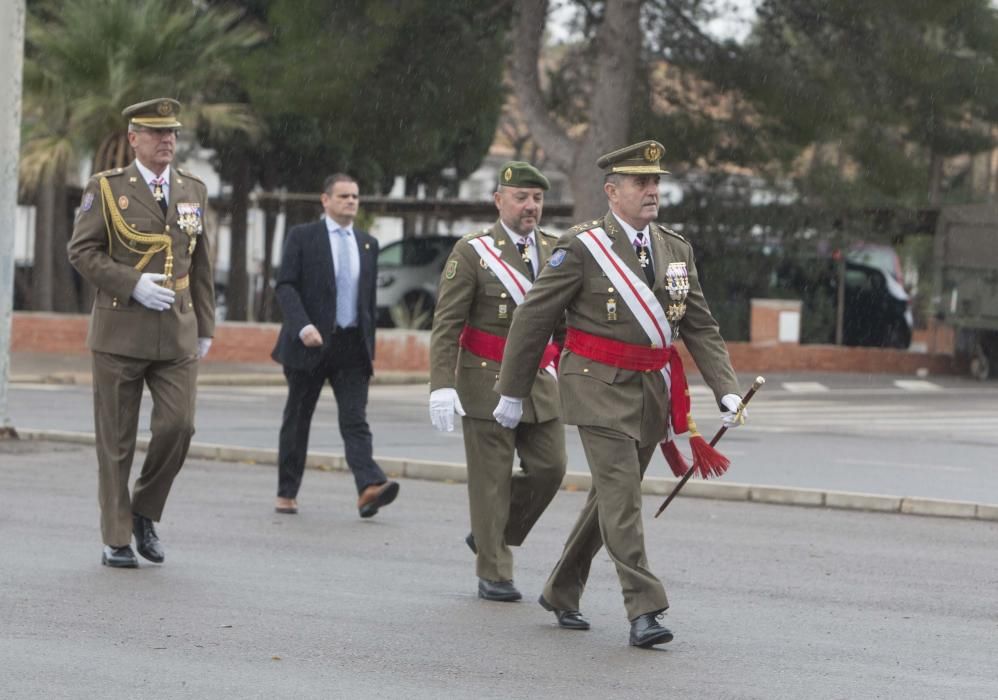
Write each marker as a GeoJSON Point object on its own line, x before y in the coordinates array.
{"type": "Point", "coordinates": [148, 175]}
{"type": "Point", "coordinates": [632, 233]}
{"type": "Point", "coordinates": [531, 249]}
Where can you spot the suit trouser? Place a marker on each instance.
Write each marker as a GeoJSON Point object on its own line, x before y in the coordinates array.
{"type": "Point", "coordinates": [118, 383]}
{"type": "Point", "coordinates": [505, 505]}
{"type": "Point", "coordinates": [611, 516]}
{"type": "Point", "coordinates": [346, 367]}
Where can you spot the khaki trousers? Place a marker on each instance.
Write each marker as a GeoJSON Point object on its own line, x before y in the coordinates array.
{"type": "Point", "coordinates": [611, 517]}
{"type": "Point", "coordinates": [505, 505]}
{"type": "Point", "coordinates": [118, 383]}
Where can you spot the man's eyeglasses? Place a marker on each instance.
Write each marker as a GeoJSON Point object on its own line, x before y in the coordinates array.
{"type": "Point", "coordinates": [159, 133]}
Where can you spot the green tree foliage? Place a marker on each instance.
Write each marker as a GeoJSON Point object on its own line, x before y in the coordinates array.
{"type": "Point", "coordinates": [380, 88]}
{"type": "Point", "coordinates": [895, 87]}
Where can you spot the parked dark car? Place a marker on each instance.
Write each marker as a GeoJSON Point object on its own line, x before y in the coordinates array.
{"type": "Point", "coordinates": [408, 273]}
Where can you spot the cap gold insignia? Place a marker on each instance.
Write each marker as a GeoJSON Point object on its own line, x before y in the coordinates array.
{"type": "Point", "coordinates": [508, 175]}
{"type": "Point", "coordinates": [164, 108]}
{"type": "Point", "coordinates": [652, 153]}
{"type": "Point", "coordinates": [123, 202]}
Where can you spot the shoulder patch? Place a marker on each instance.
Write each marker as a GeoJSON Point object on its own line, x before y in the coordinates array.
{"type": "Point", "coordinates": [88, 201]}
{"type": "Point", "coordinates": [451, 270]}
{"type": "Point", "coordinates": [557, 257]}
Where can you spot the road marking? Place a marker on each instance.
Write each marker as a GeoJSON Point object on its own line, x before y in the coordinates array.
{"type": "Point", "coordinates": [904, 465]}
{"type": "Point", "coordinates": [804, 387]}
{"type": "Point", "coordinates": [916, 385]}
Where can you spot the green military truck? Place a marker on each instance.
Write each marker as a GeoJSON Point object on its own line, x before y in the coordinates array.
{"type": "Point", "coordinates": [966, 282]}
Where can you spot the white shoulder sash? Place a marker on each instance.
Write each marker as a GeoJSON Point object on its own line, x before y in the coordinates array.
{"type": "Point", "coordinates": [516, 284]}
{"type": "Point", "coordinates": [632, 289]}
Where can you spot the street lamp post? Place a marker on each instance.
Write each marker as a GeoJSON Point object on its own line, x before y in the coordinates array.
{"type": "Point", "coordinates": [11, 68]}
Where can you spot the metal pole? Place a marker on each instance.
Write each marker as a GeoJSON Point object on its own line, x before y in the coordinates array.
{"type": "Point", "coordinates": [11, 67]}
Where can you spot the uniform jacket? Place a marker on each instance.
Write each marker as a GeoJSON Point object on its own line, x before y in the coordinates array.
{"type": "Point", "coordinates": [306, 292]}
{"type": "Point", "coordinates": [596, 394]}
{"type": "Point", "coordinates": [471, 294]}
{"type": "Point", "coordinates": [119, 324]}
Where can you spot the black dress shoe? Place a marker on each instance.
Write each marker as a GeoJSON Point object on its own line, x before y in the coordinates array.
{"type": "Point", "coordinates": [569, 619]}
{"type": "Point", "coordinates": [119, 557]}
{"type": "Point", "coordinates": [146, 540]}
{"type": "Point", "coordinates": [470, 541]}
{"type": "Point", "coordinates": [646, 632]}
{"type": "Point", "coordinates": [503, 591]}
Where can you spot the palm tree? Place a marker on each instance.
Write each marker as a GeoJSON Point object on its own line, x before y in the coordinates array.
{"type": "Point", "coordinates": [85, 60]}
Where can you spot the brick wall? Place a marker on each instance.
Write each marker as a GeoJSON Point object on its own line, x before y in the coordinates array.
{"type": "Point", "coordinates": [400, 350]}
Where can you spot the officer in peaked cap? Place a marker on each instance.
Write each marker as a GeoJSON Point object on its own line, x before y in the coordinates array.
{"type": "Point", "coordinates": [485, 275]}
{"type": "Point", "coordinates": [610, 376]}
{"type": "Point", "coordinates": [160, 113]}
{"type": "Point", "coordinates": [139, 240]}
{"type": "Point", "coordinates": [637, 159]}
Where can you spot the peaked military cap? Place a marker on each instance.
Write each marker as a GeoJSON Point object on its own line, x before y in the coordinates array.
{"type": "Point", "coordinates": [637, 159]}
{"type": "Point", "coordinates": [517, 173]}
{"type": "Point", "coordinates": [160, 113]}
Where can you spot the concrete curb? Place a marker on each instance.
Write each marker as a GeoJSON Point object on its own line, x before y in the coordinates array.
{"type": "Point", "coordinates": [221, 379]}
{"type": "Point", "coordinates": [580, 481]}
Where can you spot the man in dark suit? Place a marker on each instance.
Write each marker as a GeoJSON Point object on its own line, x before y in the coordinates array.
{"type": "Point", "coordinates": [326, 292]}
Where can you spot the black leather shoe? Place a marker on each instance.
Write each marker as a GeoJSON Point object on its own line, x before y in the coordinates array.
{"type": "Point", "coordinates": [470, 541]}
{"type": "Point", "coordinates": [146, 540]}
{"type": "Point", "coordinates": [119, 557]}
{"type": "Point", "coordinates": [569, 619]}
{"type": "Point", "coordinates": [503, 591]}
{"type": "Point", "coordinates": [646, 632]}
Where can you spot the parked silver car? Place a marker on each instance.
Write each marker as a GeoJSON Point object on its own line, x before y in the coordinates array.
{"type": "Point", "coordinates": [408, 273]}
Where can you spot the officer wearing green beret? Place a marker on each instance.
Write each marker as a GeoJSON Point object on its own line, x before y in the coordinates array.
{"type": "Point", "coordinates": [482, 283]}
{"type": "Point", "coordinates": [629, 287]}
{"type": "Point", "coordinates": [139, 240]}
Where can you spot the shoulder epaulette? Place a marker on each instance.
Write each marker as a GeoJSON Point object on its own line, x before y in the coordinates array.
{"type": "Point", "coordinates": [109, 173]}
{"type": "Point", "coordinates": [475, 234]}
{"type": "Point", "coordinates": [585, 226]}
{"type": "Point", "coordinates": [669, 231]}
{"type": "Point", "coordinates": [544, 233]}
{"type": "Point", "coordinates": [189, 175]}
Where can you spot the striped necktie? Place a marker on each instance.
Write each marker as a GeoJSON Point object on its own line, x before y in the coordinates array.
{"type": "Point", "coordinates": [644, 257]}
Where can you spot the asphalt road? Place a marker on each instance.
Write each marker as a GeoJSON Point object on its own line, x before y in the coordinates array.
{"type": "Point", "coordinates": [767, 601]}
{"type": "Point", "coordinates": [891, 435]}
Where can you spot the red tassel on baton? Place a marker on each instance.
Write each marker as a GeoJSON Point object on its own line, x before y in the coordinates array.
{"type": "Point", "coordinates": [706, 460]}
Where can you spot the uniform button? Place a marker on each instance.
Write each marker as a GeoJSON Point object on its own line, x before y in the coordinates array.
{"type": "Point", "coordinates": [502, 295]}
{"type": "Point", "coordinates": [585, 370]}
{"type": "Point", "coordinates": [168, 227]}
{"type": "Point", "coordinates": [114, 302]}
{"type": "Point", "coordinates": [610, 290]}
{"type": "Point", "coordinates": [485, 364]}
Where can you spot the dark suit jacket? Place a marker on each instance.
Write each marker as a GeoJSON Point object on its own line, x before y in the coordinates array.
{"type": "Point", "coordinates": [306, 292]}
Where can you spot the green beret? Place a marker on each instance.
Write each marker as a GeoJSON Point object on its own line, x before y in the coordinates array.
{"type": "Point", "coordinates": [638, 159]}
{"type": "Point", "coordinates": [517, 173]}
{"type": "Point", "coordinates": [160, 113]}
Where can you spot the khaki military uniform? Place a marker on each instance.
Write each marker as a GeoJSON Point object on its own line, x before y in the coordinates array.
{"type": "Point", "coordinates": [133, 345]}
{"type": "Point", "coordinates": [621, 413]}
{"type": "Point", "coordinates": [504, 506]}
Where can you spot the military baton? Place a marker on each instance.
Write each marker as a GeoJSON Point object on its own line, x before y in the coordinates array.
{"type": "Point", "coordinates": [759, 381]}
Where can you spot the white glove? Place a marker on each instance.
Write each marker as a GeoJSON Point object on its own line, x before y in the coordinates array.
{"type": "Point", "coordinates": [508, 412]}
{"type": "Point", "coordinates": [204, 345]}
{"type": "Point", "coordinates": [151, 295]}
{"type": "Point", "coordinates": [732, 418]}
{"type": "Point", "coordinates": [444, 403]}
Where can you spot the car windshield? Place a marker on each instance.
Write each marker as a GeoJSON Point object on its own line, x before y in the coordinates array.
{"type": "Point", "coordinates": [414, 252]}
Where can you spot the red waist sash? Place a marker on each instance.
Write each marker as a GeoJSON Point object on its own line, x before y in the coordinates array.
{"type": "Point", "coordinates": [639, 358]}
{"type": "Point", "coordinates": [491, 346]}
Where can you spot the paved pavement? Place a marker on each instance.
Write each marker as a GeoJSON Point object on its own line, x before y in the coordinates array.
{"type": "Point", "coordinates": [767, 602]}
{"type": "Point", "coordinates": [902, 443]}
